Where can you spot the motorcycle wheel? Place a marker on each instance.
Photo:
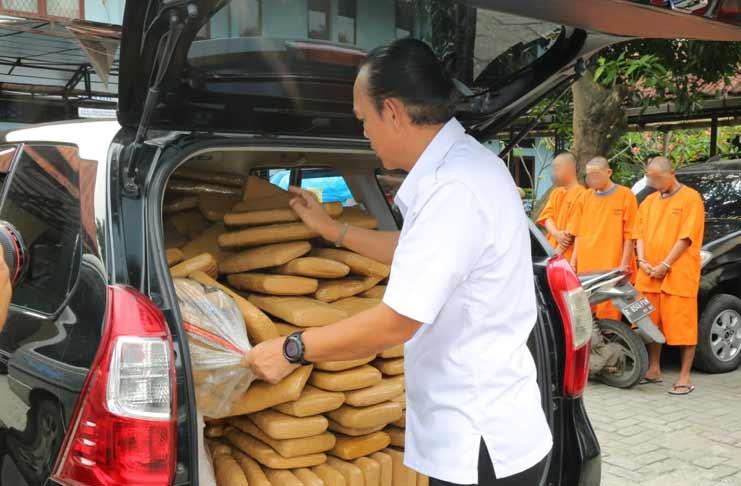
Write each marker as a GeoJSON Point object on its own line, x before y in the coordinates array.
{"type": "Point", "coordinates": [634, 364]}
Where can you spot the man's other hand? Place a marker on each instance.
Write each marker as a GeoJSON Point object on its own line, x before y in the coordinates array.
{"type": "Point", "coordinates": [312, 213]}
{"type": "Point", "coordinates": [267, 362]}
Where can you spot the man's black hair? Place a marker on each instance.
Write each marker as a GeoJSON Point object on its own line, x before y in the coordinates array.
{"type": "Point", "coordinates": [407, 69]}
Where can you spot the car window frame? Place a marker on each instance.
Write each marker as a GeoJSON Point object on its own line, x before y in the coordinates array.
{"type": "Point", "coordinates": [78, 252]}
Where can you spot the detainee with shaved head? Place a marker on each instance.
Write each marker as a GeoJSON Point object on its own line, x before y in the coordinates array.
{"type": "Point", "coordinates": [669, 235]}
{"type": "Point", "coordinates": [604, 238]}
{"type": "Point", "coordinates": [560, 216]}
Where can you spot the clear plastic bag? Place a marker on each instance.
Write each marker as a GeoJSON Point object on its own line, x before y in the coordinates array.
{"type": "Point", "coordinates": [217, 339]}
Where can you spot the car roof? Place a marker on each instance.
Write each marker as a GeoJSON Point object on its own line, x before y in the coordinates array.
{"type": "Point", "coordinates": [92, 137]}
{"type": "Point", "coordinates": [714, 166]}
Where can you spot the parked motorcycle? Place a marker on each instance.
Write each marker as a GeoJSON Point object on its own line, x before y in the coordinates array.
{"type": "Point", "coordinates": [618, 356]}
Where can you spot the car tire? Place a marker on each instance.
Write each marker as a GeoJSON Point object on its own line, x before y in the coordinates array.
{"type": "Point", "coordinates": [719, 335]}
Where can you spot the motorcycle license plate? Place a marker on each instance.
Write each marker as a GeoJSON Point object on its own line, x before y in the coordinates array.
{"type": "Point", "coordinates": [638, 309]}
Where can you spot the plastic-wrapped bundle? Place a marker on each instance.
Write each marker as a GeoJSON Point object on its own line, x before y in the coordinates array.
{"type": "Point", "coordinates": [218, 340]}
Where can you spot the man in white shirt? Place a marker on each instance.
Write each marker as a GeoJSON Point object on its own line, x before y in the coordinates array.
{"type": "Point", "coordinates": [460, 295]}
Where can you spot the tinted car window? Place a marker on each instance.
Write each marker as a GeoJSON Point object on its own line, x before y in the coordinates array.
{"type": "Point", "coordinates": [43, 202]}
{"type": "Point", "coordinates": [721, 192]}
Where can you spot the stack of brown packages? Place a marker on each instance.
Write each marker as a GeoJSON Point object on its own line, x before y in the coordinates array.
{"type": "Point", "coordinates": [332, 423]}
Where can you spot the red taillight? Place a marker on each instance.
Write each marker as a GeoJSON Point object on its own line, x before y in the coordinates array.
{"type": "Point", "coordinates": [577, 324]}
{"type": "Point", "coordinates": [123, 429]}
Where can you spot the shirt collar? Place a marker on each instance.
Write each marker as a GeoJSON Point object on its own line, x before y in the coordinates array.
{"type": "Point", "coordinates": [430, 160]}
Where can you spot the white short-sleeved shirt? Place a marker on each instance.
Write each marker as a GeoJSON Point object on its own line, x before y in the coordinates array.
{"type": "Point", "coordinates": [463, 268]}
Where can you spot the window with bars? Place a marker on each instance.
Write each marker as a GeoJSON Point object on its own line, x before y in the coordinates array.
{"type": "Point", "coordinates": [71, 9]}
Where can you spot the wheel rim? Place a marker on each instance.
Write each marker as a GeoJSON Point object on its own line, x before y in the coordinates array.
{"type": "Point", "coordinates": [725, 335]}
{"type": "Point", "coordinates": [627, 364]}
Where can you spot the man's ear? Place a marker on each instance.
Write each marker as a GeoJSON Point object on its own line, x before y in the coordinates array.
{"type": "Point", "coordinates": [395, 110]}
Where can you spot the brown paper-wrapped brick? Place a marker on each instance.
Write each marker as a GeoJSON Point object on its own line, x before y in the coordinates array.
{"type": "Point", "coordinates": [402, 475]}
{"type": "Point", "coordinates": [287, 448]}
{"type": "Point", "coordinates": [335, 427]}
{"type": "Point", "coordinates": [312, 401]}
{"type": "Point", "coordinates": [181, 186]}
{"type": "Point", "coordinates": [267, 283]}
{"type": "Point", "coordinates": [358, 263]}
{"type": "Point", "coordinates": [265, 455]}
{"type": "Point", "coordinates": [211, 177]}
{"type": "Point", "coordinates": [285, 329]}
{"type": "Point", "coordinates": [376, 292]}
{"type": "Point", "coordinates": [352, 473]}
{"type": "Point", "coordinates": [217, 446]}
{"type": "Point", "coordinates": [354, 305]}
{"type": "Point", "coordinates": [387, 467]}
{"type": "Point", "coordinates": [397, 436]}
{"type": "Point", "coordinates": [188, 223]}
{"type": "Point", "coordinates": [228, 472]}
{"type": "Point", "coordinates": [349, 448]}
{"type": "Point", "coordinates": [395, 352]}
{"type": "Point", "coordinates": [300, 311]}
{"type": "Point", "coordinates": [355, 216]}
{"type": "Point", "coordinates": [180, 204]}
{"type": "Point", "coordinates": [213, 431]}
{"type": "Point", "coordinates": [329, 475]}
{"type": "Point", "coordinates": [252, 470]}
{"type": "Point", "coordinates": [205, 242]}
{"type": "Point", "coordinates": [397, 378]}
{"type": "Point", "coordinates": [308, 477]}
{"type": "Point", "coordinates": [314, 267]}
{"type": "Point", "coordinates": [262, 395]}
{"type": "Point", "coordinates": [390, 367]}
{"type": "Point", "coordinates": [401, 423]}
{"type": "Point", "coordinates": [174, 256]}
{"type": "Point", "coordinates": [371, 470]}
{"type": "Point", "coordinates": [366, 417]}
{"type": "Point", "coordinates": [272, 216]}
{"type": "Point", "coordinates": [342, 365]}
{"type": "Point", "coordinates": [332, 290]}
{"type": "Point", "coordinates": [259, 326]}
{"type": "Point", "coordinates": [264, 257]}
{"type": "Point", "coordinates": [283, 477]}
{"type": "Point", "coordinates": [202, 263]}
{"type": "Point", "coordinates": [352, 379]}
{"type": "Point", "coordinates": [401, 400]}
{"type": "Point", "coordinates": [372, 395]}
{"type": "Point", "coordinates": [215, 206]}
{"type": "Point", "coordinates": [280, 426]}
{"type": "Point", "coordinates": [277, 233]}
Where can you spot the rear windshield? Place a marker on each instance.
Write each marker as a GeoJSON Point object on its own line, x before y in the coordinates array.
{"type": "Point", "coordinates": [298, 37]}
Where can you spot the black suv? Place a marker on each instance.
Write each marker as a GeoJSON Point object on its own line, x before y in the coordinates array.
{"type": "Point", "coordinates": [719, 336]}
{"type": "Point", "coordinates": [96, 378]}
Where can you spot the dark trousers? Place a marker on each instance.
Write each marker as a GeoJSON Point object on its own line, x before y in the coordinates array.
{"type": "Point", "coordinates": [528, 477]}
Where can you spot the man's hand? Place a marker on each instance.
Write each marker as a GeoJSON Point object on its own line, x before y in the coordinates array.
{"type": "Point", "coordinates": [266, 360]}
{"type": "Point", "coordinates": [564, 239]}
{"type": "Point", "coordinates": [645, 267]}
{"type": "Point", "coordinates": [311, 212]}
{"type": "Point", "coordinates": [659, 272]}
{"type": "Point", "coordinates": [6, 292]}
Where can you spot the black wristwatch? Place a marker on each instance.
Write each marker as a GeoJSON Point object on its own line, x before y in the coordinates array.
{"type": "Point", "coordinates": [293, 349]}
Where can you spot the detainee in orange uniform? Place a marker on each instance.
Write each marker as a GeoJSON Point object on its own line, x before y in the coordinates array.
{"type": "Point", "coordinates": [669, 234]}
{"type": "Point", "coordinates": [560, 216]}
{"type": "Point", "coordinates": [604, 239]}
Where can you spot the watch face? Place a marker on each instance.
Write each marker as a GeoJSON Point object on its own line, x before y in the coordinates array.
{"type": "Point", "coordinates": [292, 349]}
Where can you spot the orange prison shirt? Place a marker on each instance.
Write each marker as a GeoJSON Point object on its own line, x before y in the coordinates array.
{"type": "Point", "coordinates": [564, 208]}
{"type": "Point", "coordinates": [605, 225]}
{"type": "Point", "coordinates": [661, 223]}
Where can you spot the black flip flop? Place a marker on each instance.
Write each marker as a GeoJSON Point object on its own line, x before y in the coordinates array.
{"type": "Point", "coordinates": [687, 389]}
{"type": "Point", "coordinates": [652, 381]}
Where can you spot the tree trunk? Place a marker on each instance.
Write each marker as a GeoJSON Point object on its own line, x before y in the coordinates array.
{"type": "Point", "coordinates": [599, 120]}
